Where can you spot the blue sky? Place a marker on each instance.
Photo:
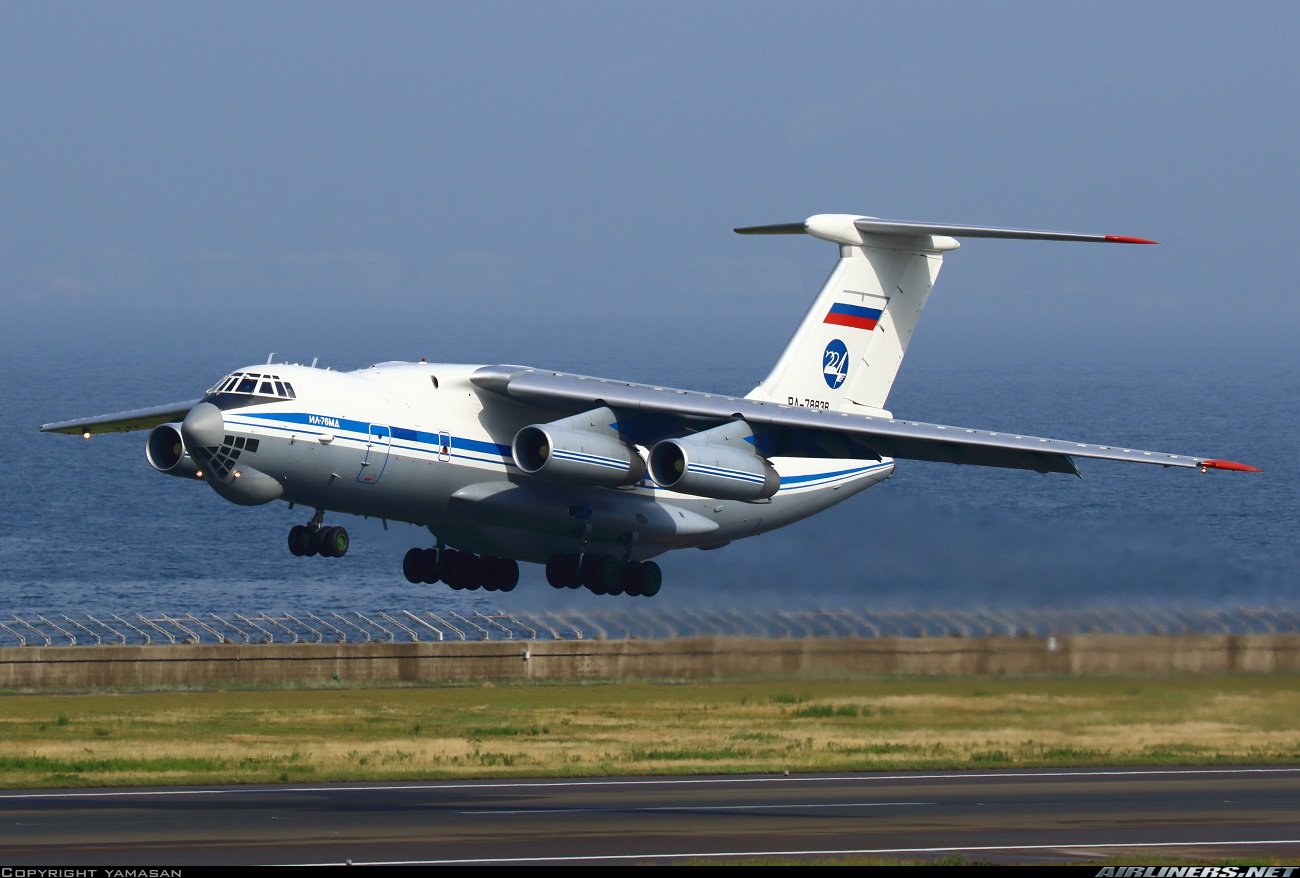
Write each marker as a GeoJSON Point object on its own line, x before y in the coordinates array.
{"type": "Point", "coordinates": [581, 165]}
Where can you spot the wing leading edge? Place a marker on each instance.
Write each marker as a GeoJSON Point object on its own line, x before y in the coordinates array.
{"type": "Point", "coordinates": [124, 422]}
{"type": "Point", "coordinates": [796, 431]}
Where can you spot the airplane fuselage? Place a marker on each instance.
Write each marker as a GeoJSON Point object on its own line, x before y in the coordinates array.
{"type": "Point", "coordinates": [418, 443]}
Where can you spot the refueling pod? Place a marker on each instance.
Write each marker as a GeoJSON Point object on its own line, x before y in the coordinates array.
{"type": "Point", "coordinates": [585, 449]}
{"type": "Point", "coordinates": [722, 462]}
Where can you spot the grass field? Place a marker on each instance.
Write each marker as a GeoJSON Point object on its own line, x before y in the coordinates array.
{"type": "Point", "coordinates": [644, 728]}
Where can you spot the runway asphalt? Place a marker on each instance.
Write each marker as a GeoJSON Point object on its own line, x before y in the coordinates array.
{"type": "Point", "coordinates": [1002, 816]}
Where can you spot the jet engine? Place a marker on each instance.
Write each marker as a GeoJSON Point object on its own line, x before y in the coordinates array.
{"type": "Point", "coordinates": [166, 452]}
{"type": "Point", "coordinates": [585, 449]}
{"type": "Point", "coordinates": [721, 462]}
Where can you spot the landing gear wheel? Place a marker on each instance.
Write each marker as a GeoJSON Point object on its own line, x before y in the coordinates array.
{"type": "Point", "coordinates": [326, 542]}
{"type": "Point", "coordinates": [599, 573]}
{"type": "Point", "coordinates": [299, 539]}
{"type": "Point", "coordinates": [652, 578]}
{"type": "Point", "coordinates": [500, 574]}
{"type": "Point", "coordinates": [421, 565]}
{"type": "Point", "coordinates": [313, 543]}
{"type": "Point", "coordinates": [509, 574]}
{"type": "Point", "coordinates": [461, 570]}
{"type": "Point", "coordinates": [339, 542]}
{"type": "Point", "coordinates": [630, 580]}
{"type": "Point", "coordinates": [429, 567]}
{"type": "Point", "coordinates": [564, 571]}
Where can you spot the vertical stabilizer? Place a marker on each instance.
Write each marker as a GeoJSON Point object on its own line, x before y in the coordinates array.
{"type": "Point", "coordinates": [846, 353]}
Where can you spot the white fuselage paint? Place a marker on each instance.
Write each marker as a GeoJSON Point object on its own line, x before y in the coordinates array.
{"type": "Point", "coordinates": [420, 443]}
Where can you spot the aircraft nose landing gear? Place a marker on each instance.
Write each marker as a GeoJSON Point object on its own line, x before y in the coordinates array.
{"type": "Point", "coordinates": [312, 539]}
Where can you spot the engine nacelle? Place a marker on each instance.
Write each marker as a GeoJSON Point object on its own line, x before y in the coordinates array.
{"type": "Point", "coordinates": [584, 449]}
{"type": "Point", "coordinates": [717, 463]}
{"type": "Point", "coordinates": [165, 450]}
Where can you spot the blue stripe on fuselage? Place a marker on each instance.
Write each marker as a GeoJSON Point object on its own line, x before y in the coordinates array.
{"type": "Point", "coordinates": [462, 443]}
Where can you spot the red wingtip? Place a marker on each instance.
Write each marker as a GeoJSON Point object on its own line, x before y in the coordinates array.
{"type": "Point", "coordinates": [1230, 464]}
{"type": "Point", "coordinates": [1125, 239]}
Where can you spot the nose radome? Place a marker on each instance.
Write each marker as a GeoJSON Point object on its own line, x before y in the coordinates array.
{"type": "Point", "coordinates": [203, 426]}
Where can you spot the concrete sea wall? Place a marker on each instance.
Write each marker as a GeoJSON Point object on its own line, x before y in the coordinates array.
{"type": "Point", "coordinates": [55, 668]}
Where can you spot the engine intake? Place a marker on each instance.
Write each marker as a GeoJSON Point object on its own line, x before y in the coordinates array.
{"type": "Point", "coordinates": [585, 449]}
{"type": "Point", "coordinates": [166, 452]}
{"type": "Point", "coordinates": [717, 463]}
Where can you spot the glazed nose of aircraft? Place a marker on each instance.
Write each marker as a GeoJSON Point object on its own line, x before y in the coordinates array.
{"type": "Point", "coordinates": [203, 427]}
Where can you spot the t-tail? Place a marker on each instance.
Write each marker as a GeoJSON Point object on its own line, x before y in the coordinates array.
{"type": "Point", "coordinates": [847, 351]}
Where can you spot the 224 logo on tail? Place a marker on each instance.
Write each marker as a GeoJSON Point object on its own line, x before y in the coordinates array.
{"type": "Point", "coordinates": [835, 363]}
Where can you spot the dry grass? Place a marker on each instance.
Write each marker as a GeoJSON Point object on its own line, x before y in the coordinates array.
{"type": "Point", "coordinates": [340, 734]}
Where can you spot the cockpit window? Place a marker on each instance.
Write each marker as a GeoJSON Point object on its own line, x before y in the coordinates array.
{"type": "Point", "coordinates": [253, 384]}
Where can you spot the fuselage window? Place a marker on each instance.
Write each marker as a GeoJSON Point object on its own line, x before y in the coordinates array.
{"type": "Point", "coordinates": [434, 379]}
{"type": "Point", "coordinates": [288, 388]}
{"type": "Point", "coordinates": [252, 445]}
{"type": "Point", "coordinates": [279, 389]}
{"type": "Point", "coordinates": [267, 390]}
{"type": "Point", "coordinates": [248, 385]}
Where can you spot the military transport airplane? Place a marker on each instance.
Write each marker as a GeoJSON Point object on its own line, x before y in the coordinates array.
{"type": "Point", "coordinates": [594, 477]}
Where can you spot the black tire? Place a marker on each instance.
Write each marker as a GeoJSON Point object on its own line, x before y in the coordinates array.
{"type": "Point", "coordinates": [450, 566]}
{"type": "Point", "coordinates": [509, 574]}
{"type": "Point", "coordinates": [616, 587]}
{"type": "Point", "coordinates": [599, 573]}
{"type": "Point", "coordinates": [337, 539]}
{"type": "Point", "coordinates": [298, 540]}
{"type": "Point", "coordinates": [325, 542]}
{"type": "Point", "coordinates": [430, 569]}
{"type": "Point", "coordinates": [313, 543]}
{"type": "Point", "coordinates": [629, 581]}
{"type": "Point", "coordinates": [571, 569]}
{"type": "Point", "coordinates": [461, 570]}
{"type": "Point", "coordinates": [413, 566]}
{"type": "Point", "coordinates": [555, 571]}
{"type": "Point", "coordinates": [652, 579]}
{"type": "Point", "coordinates": [473, 571]}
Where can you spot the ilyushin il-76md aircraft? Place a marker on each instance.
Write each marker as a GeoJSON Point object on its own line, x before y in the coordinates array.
{"type": "Point", "coordinates": [595, 477]}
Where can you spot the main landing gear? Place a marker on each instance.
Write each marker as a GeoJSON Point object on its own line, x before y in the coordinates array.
{"type": "Point", "coordinates": [312, 539]}
{"type": "Point", "coordinates": [461, 570]}
{"type": "Point", "coordinates": [604, 574]}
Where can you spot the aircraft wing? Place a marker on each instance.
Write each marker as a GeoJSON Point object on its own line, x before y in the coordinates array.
{"type": "Point", "coordinates": [647, 413]}
{"type": "Point", "coordinates": [124, 422]}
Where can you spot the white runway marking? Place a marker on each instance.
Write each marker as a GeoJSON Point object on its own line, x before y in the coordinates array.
{"type": "Point", "coordinates": [682, 781]}
{"type": "Point", "coordinates": [594, 858]}
{"type": "Point", "coordinates": [708, 808]}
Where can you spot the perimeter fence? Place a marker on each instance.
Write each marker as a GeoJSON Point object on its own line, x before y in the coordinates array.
{"type": "Point", "coordinates": [414, 626]}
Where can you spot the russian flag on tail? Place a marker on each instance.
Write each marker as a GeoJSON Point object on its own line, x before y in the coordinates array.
{"type": "Point", "coordinates": [856, 316]}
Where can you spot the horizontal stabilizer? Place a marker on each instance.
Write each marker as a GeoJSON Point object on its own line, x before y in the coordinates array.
{"type": "Point", "coordinates": [849, 229]}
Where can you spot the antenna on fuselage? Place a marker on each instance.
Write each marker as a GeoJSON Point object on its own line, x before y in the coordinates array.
{"type": "Point", "coordinates": [313, 361]}
{"type": "Point", "coordinates": [270, 358]}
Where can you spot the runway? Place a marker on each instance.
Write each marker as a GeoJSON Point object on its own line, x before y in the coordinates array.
{"type": "Point", "coordinates": [1032, 815]}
